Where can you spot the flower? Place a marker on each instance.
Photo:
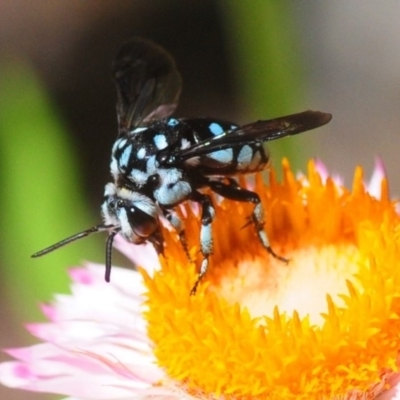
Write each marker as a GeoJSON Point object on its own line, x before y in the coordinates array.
{"type": "Point", "coordinates": [324, 326]}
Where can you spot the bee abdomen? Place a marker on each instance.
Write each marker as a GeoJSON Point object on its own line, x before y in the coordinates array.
{"type": "Point", "coordinates": [237, 160]}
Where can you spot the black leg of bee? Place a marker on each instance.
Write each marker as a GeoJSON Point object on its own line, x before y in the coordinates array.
{"type": "Point", "coordinates": [179, 227]}
{"type": "Point", "coordinates": [206, 239]}
{"type": "Point", "coordinates": [233, 182]}
{"type": "Point", "coordinates": [234, 192]}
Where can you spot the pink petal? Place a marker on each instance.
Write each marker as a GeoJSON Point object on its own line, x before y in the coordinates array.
{"type": "Point", "coordinates": [324, 173]}
{"type": "Point", "coordinates": [374, 185]}
{"type": "Point", "coordinates": [95, 345]}
{"type": "Point", "coordinates": [86, 380]}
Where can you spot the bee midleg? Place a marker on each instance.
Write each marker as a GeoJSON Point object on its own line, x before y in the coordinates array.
{"type": "Point", "coordinates": [233, 192]}
{"type": "Point", "coordinates": [206, 238]}
{"type": "Point", "coordinates": [179, 226]}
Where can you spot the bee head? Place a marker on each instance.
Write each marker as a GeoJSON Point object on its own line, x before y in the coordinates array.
{"type": "Point", "coordinates": [134, 214]}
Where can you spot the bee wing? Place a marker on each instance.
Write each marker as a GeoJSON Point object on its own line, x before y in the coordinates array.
{"type": "Point", "coordinates": [260, 131]}
{"type": "Point", "coordinates": [148, 83]}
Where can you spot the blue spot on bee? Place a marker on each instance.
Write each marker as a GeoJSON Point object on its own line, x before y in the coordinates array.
{"type": "Point", "coordinates": [173, 122]}
{"type": "Point", "coordinates": [222, 156]}
{"type": "Point", "coordinates": [141, 153]}
{"type": "Point", "coordinates": [124, 159]}
{"type": "Point", "coordinates": [122, 143]}
{"type": "Point", "coordinates": [245, 155]}
{"type": "Point", "coordinates": [160, 141]}
{"type": "Point", "coordinates": [215, 129]}
{"type": "Point", "coordinates": [140, 129]}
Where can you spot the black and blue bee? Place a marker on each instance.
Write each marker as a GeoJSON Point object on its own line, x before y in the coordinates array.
{"type": "Point", "coordinates": [158, 161]}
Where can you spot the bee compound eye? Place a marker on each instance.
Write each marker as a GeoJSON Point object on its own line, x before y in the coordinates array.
{"type": "Point", "coordinates": [142, 223]}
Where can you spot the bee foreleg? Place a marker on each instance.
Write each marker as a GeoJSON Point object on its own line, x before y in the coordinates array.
{"type": "Point", "coordinates": [179, 226]}
{"type": "Point", "coordinates": [233, 192]}
{"type": "Point", "coordinates": [206, 237]}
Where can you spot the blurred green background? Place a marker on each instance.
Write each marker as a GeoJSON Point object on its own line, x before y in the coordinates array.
{"type": "Point", "coordinates": [240, 61]}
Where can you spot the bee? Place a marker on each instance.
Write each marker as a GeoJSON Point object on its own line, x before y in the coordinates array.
{"type": "Point", "coordinates": [159, 161]}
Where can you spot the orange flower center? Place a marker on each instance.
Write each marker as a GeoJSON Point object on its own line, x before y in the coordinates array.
{"type": "Point", "coordinates": [324, 326]}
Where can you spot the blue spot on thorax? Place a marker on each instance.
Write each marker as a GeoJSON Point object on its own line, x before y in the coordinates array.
{"type": "Point", "coordinates": [125, 155]}
{"type": "Point", "coordinates": [172, 122]}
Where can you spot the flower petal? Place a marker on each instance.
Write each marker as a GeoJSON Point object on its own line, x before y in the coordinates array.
{"type": "Point", "coordinates": [95, 345]}
{"type": "Point", "coordinates": [374, 184]}
{"type": "Point", "coordinates": [142, 255]}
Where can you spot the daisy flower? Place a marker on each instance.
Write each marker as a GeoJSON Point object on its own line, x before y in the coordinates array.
{"type": "Point", "coordinates": [324, 326]}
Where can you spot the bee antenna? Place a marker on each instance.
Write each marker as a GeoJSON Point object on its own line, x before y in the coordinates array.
{"type": "Point", "coordinates": [73, 238]}
{"type": "Point", "coordinates": [109, 246]}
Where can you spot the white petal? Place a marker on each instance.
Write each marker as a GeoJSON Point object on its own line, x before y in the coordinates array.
{"type": "Point", "coordinates": [95, 345]}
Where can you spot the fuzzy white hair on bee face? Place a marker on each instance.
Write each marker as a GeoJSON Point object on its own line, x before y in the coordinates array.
{"type": "Point", "coordinates": [135, 214]}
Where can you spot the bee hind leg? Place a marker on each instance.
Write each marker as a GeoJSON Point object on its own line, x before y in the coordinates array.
{"type": "Point", "coordinates": [233, 192]}
{"type": "Point", "coordinates": [206, 237]}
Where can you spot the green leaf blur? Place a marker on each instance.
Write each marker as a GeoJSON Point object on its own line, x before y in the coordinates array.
{"type": "Point", "coordinates": [41, 197]}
